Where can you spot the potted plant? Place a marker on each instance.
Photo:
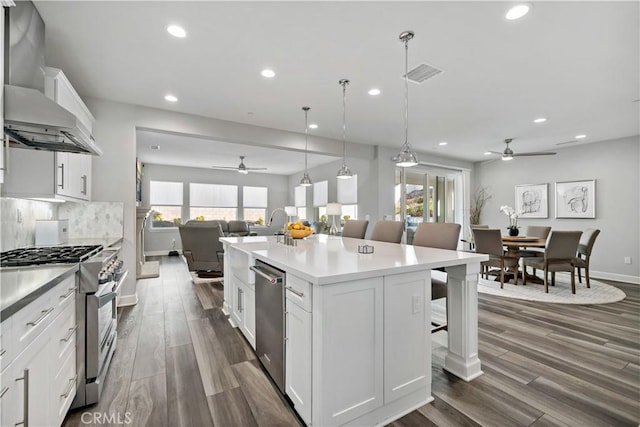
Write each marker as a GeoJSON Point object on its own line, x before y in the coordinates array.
{"type": "Point", "coordinates": [513, 219]}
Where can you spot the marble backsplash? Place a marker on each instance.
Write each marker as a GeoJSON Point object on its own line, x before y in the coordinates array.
{"type": "Point", "coordinates": [93, 219]}
{"type": "Point", "coordinates": [18, 221]}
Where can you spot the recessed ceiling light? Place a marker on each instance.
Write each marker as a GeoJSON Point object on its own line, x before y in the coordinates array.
{"type": "Point", "coordinates": [540, 120]}
{"type": "Point", "coordinates": [581, 136]}
{"type": "Point", "coordinates": [268, 73]}
{"type": "Point", "coordinates": [442, 143]}
{"type": "Point", "coordinates": [518, 11]}
{"type": "Point", "coordinates": [374, 92]}
{"type": "Point", "coordinates": [486, 153]}
{"type": "Point", "coordinates": [176, 31]}
{"type": "Point", "coordinates": [313, 126]}
{"type": "Point", "coordinates": [170, 98]}
{"type": "Point", "coordinates": [154, 147]}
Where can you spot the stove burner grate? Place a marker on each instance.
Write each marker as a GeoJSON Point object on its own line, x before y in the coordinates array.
{"type": "Point", "coordinates": [48, 255]}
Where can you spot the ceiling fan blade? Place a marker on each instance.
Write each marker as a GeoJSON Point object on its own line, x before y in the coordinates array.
{"type": "Point", "coordinates": [567, 142]}
{"type": "Point", "coordinates": [542, 153]}
{"type": "Point", "coordinates": [225, 167]}
{"type": "Point", "coordinates": [496, 152]}
{"type": "Point", "coordinates": [256, 169]}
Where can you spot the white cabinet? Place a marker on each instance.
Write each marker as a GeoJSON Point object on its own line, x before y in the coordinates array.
{"type": "Point", "coordinates": [73, 175]}
{"type": "Point", "coordinates": [298, 339]}
{"type": "Point", "coordinates": [249, 313]}
{"type": "Point", "coordinates": [40, 381]}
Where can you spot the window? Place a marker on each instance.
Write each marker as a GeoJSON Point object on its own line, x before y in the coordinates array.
{"type": "Point", "coordinates": [348, 196]}
{"type": "Point", "coordinates": [213, 201]}
{"type": "Point", "coordinates": [300, 201]}
{"type": "Point", "coordinates": [320, 193]}
{"type": "Point", "coordinates": [254, 204]}
{"type": "Point", "coordinates": [165, 199]}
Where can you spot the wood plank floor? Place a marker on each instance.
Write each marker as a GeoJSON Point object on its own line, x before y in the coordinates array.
{"type": "Point", "coordinates": [179, 363]}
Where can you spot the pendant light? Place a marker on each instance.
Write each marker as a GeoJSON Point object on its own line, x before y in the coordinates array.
{"type": "Point", "coordinates": [305, 181]}
{"type": "Point", "coordinates": [406, 157]}
{"type": "Point", "coordinates": [344, 172]}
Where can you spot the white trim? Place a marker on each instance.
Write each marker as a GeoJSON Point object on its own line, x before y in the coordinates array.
{"type": "Point", "coordinates": [126, 300]}
{"type": "Point", "coordinates": [160, 253]}
{"type": "Point", "coordinates": [614, 276]}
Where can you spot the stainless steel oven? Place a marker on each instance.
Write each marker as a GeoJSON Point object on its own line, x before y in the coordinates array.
{"type": "Point", "coordinates": [100, 278]}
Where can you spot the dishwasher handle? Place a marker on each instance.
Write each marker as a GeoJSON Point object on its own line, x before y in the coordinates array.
{"type": "Point", "coordinates": [271, 278]}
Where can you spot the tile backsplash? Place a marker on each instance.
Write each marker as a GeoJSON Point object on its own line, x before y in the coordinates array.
{"type": "Point", "coordinates": [93, 219]}
{"type": "Point", "coordinates": [18, 221]}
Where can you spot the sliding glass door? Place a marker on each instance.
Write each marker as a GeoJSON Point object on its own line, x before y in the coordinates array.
{"type": "Point", "coordinates": [428, 194]}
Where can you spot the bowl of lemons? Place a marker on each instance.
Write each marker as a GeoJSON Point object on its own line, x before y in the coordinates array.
{"type": "Point", "coordinates": [298, 230]}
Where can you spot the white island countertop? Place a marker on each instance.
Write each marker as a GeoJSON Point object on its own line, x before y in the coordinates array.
{"type": "Point", "coordinates": [323, 259]}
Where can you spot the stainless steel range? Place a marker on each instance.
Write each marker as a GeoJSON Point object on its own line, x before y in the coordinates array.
{"type": "Point", "coordinates": [100, 277]}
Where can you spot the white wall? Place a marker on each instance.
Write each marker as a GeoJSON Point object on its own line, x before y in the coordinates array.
{"type": "Point", "coordinates": [161, 241]}
{"type": "Point", "coordinates": [613, 164]}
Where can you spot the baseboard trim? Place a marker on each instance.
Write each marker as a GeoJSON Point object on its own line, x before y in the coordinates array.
{"type": "Point", "coordinates": [615, 276]}
{"type": "Point", "coordinates": [159, 253]}
{"type": "Point", "coordinates": [126, 300]}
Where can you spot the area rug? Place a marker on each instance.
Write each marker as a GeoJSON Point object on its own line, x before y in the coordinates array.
{"type": "Point", "coordinates": [598, 293]}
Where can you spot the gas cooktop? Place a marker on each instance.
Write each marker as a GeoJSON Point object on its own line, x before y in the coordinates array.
{"type": "Point", "coordinates": [48, 255]}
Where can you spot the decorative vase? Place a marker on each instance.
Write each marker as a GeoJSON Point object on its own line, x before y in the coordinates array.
{"type": "Point", "coordinates": [514, 231]}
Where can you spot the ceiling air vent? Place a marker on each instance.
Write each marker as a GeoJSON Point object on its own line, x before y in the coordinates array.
{"type": "Point", "coordinates": [421, 73]}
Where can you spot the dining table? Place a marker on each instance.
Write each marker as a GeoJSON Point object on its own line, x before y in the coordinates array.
{"type": "Point", "coordinates": [514, 245]}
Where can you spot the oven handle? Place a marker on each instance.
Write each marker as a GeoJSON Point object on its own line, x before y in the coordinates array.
{"type": "Point", "coordinates": [104, 299]}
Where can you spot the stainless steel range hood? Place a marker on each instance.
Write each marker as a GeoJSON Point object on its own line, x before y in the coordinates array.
{"type": "Point", "coordinates": [31, 119]}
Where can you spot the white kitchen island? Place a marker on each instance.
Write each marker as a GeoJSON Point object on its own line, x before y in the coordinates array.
{"type": "Point", "coordinates": [357, 332]}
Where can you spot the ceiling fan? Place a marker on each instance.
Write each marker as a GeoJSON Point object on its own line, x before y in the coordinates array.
{"type": "Point", "coordinates": [241, 168]}
{"type": "Point", "coordinates": [508, 153]}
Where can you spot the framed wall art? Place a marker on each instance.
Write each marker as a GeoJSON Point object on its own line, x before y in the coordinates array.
{"type": "Point", "coordinates": [576, 199]}
{"type": "Point", "coordinates": [532, 200]}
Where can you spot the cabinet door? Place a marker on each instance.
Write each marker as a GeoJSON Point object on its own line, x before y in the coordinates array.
{"type": "Point", "coordinates": [348, 350]}
{"type": "Point", "coordinates": [238, 301]}
{"type": "Point", "coordinates": [407, 357]}
{"type": "Point", "coordinates": [9, 414]}
{"type": "Point", "coordinates": [32, 375]}
{"type": "Point", "coordinates": [249, 315]}
{"type": "Point", "coordinates": [298, 359]}
{"type": "Point", "coordinates": [63, 177]}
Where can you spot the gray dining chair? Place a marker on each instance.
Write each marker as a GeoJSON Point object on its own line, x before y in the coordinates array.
{"type": "Point", "coordinates": [388, 231]}
{"type": "Point", "coordinates": [440, 235]}
{"type": "Point", "coordinates": [559, 255]}
{"type": "Point", "coordinates": [356, 228]}
{"type": "Point", "coordinates": [585, 246]}
{"type": "Point", "coordinates": [489, 241]}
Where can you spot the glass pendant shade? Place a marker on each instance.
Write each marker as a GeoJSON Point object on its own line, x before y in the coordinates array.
{"type": "Point", "coordinates": [407, 156]}
{"type": "Point", "coordinates": [305, 181]}
{"type": "Point", "coordinates": [344, 172]}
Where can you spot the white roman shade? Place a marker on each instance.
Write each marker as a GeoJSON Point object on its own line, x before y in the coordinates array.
{"type": "Point", "coordinates": [164, 193]}
{"type": "Point", "coordinates": [213, 195]}
{"type": "Point", "coordinates": [255, 197]}
{"type": "Point", "coordinates": [320, 193]}
{"type": "Point", "coordinates": [348, 191]}
{"type": "Point", "coordinates": [300, 196]}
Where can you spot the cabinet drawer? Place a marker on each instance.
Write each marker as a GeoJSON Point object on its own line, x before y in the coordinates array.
{"type": "Point", "coordinates": [29, 322]}
{"type": "Point", "coordinates": [6, 344]}
{"type": "Point", "coordinates": [299, 291]}
{"type": "Point", "coordinates": [64, 387]}
{"type": "Point", "coordinates": [63, 333]}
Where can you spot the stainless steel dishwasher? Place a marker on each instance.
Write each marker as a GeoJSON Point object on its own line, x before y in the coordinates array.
{"type": "Point", "coordinates": [270, 320]}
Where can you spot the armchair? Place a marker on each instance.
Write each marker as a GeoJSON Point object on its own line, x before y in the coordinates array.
{"type": "Point", "coordinates": [202, 248]}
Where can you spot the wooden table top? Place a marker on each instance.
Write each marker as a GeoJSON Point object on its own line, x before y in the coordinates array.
{"type": "Point", "coordinates": [523, 241]}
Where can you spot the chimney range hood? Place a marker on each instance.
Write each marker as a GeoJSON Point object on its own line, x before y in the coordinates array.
{"type": "Point", "coordinates": [32, 120]}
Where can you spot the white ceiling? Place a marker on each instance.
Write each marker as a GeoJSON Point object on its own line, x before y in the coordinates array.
{"type": "Point", "coordinates": [576, 63]}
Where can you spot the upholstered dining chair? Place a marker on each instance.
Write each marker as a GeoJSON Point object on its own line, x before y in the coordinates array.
{"type": "Point", "coordinates": [471, 242]}
{"type": "Point", "coordinates": [440, 235]}
{"type": "Point", "coordinates": [489, 241]}
{"type": "Point", "coordinates": [559, 255]}
{"type": "Point", "coordinates": [538, 231]}
{"type": "Point", "coordinates": [356, 228]}
{"type": "Point", "coordinates": [388, 231]}
{"type": "Point", "coordinates": [585, 246]}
